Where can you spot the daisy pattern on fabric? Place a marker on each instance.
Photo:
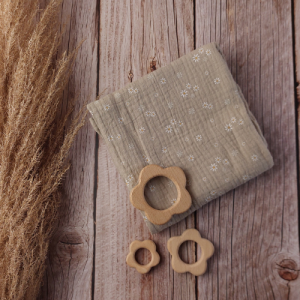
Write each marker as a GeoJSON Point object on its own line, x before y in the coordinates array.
{"type": "Point", "coordinates": [227, 102]}
{"type": "Point", "coordinates": [201, 50]}
{"type": "Point", "coordinates": [233, 120]}
{"type": "Point", "coordinates": [118, 136]}
{"type": "Point", "coordinates": [127, 103]}
{"type": "Point", "coordinates": [208, 52]}
{"type": "Point", "coordinates": [179, 75]}
{"type": "Point", "coordinates": [110, 138]}
{"type": "Point", "coordinates": [226, 179]}
{"type": "Point", "coordinates": [196, 88]}
{"type": "Point", "coordinates": [198, 138]}
{"type": "Point", "coordinates": [211, 120]}
{"type": "Point", "coordinates": [186, 139]}
{"type": "Point", "coordinates": [246, 177]}
{"type": "Point", "coordinates": [173, 200]}
{"type": "Point", "coordinates": [241, 122]}
{"type": "Point", "coordinates": [145, 218]}
{"type": "Point", "coordinates": [173, 122]}
{"type": "Point", "coordinates": [196, 58]}
{"type": "Point", "coordinates": [135, 90]}
{"type": "Point", "coordinates": [184, 93]}
{"type": "Point", "coordinates": [218, 160]}
{"type": "Point", "coordinates": [188, 86]}
{"type": "Point", "coordinates": [142, 130]}
{"type": "Point", "coordinates": [106, 107]}
{"type": "Point", "coordinates": [243, 143]}
{"type": "Point", "coordinates": [191, 158]}
{"type": "Point", "coordinates": [208, 198]}
{"type": "Point", "coordinates": [130, 90]}
{"type": "Point", "coordinates": [228, 127]}
{"type": "Point", "coordinates": [204, 179]}
{"type": "Point", "coordinates": [170, 105]}
{"type": "Point", "coordinates": [147, 160]}
{"type": "Point", "coordinates": [179, 153]}
{"type": "Point", "coordinates": [206, 73]}
{"type": "Point", "coordinates": [170, 183]}
{"type": "Point", "coordinates": [213, 167]}
{"type": "Point", "coordinates": [150, 76]}
{"type": "Point", "coordinates": [216, 144]}
{"type": "Point", "coordinates": [205, 105]}
{"type": "Point", "coordinates": [168, 128]}
{"type": "Point", "coordinates": [141, 108]}
{"type": "Point", "coordinates": [191, 111]}
{"type": "Point", "coordinates": [210, 106]}
{"type": "Point", "coordinates": [117, 95]}
{"type": "Point", "coordinates": [121, 120]}
{"type": "Point", "coordinates": [156, 95]}
{"type": "Point", "coordinates": [129, 177]}
{"type": "Point", "coordinates": [163, 81]}
{"type": "Point", "coordinates": [152, 188]}
{"type": "Point", "coordinates": [180, 123]}
{"type": "Point", "coordinates": [131, 146]}
{"type": "Point", "coordinates": [148, 113]}
{"type": "Point", "coordinates": [152, 138]}
{"type": "Point", "coordinates": [225, 162]}
{"type": "Point", "coordinates": [234, 153]}
{"type": "Point", "coordinates": [254, 157]}
{"type": "Point", "coordinates": [213, 193]}
{"type": "Point", "coordinates": [164, 150]}
{"type": "Point", "coordinates": [217, 80]}
{"type": "Point", "coordinates": [153, 114]}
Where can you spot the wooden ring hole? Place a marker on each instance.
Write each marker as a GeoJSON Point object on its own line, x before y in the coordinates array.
{"type": "Point", "coordinates": [143, 256]}
{"type": "Point", "coordinates": [187, 251]}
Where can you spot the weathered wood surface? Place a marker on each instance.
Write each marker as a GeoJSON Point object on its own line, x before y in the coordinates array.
{"type": "Point", "coordinates": [254, 228]}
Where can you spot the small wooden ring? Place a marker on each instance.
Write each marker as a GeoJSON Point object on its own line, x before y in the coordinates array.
{"type": "Point", "coordinates": [131, 261]}
{"type": "Point", "coordinates": [155, 216]}
{"type": "Point", "coordinates": [207, 250]}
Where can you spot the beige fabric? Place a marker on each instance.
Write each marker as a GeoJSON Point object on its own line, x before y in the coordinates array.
{"type": "Point", "coordinates": [190, 114]}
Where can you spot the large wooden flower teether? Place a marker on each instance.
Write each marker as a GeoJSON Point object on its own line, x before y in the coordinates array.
{"type": "Point", "coordinates": [155, 216]}
{"type": "Point", "coordinates": [131, 261]}
{"type": "Point", "coordinates": [207, 250]}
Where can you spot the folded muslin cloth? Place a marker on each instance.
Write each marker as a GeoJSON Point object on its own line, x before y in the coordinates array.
{"type": "Point", "coordinates": [189, 114]}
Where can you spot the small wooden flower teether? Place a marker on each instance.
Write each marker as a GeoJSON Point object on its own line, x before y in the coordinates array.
{"type": "Point", "coordinates": [207, 250]}
{"type": "Point", "coordinates": [131, 261]}
{"type": "Point", "coordinates": [155, 216]}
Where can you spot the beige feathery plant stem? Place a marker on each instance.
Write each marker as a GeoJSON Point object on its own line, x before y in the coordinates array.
{"type": "Point", "coordinates": [34, 144]}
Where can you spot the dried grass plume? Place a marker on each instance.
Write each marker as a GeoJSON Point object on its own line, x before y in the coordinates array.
{"type": "Point", "coordinates": [33, 145]}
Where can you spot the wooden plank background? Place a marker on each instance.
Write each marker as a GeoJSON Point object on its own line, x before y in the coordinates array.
{"type": "Point", "coordinates": [255, 228]}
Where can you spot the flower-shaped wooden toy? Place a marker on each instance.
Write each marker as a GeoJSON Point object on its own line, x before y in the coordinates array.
{"type": "Point", "coordinates": [155, 216]}
{"type": "Point", "coordinates": [131, 261]}
{"type": "Point", "coordinates": [207, 250]}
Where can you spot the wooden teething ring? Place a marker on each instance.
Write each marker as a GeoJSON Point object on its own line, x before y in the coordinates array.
{"type": "Point", "coordinates": [155, 216]}
{"type": "Point", "coordinates": [131, 261]}
{"type": "Point", "coordinates": [207, 250]}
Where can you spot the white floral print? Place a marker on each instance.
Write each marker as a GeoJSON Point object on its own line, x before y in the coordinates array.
{"type": "Point", "coordinates": [145, 218]}
{"type": "Point", "coordinates": [148, 113]}
{"type": "Point", "coordinates": [198, 138]}
{"type": "Point", "coordinates": [184, 93]}
{"type": "Point", "coordinates": [168, 129]}
{"type": "Point", "coordinates": [216, 144]}
{"type": "Point", "coordinates": [234, 153]}
{"type": "Point", "coordinates": [204, 179]}
{"type": "Point", "coordinates": [201, 50]}
{"type": "Point", "coordinates": [243, 143]}
{"type": "Point", "coordinates": [156, 95]}
{"type": "Point", "coordinates": [191, 158]}
{"type": "Point", "coordinates": [110, 138]}
{"type": "Point", "coordinates": [163, 81]}
{"type": "Point", "coordinates": [121, 120]}
{"type": "Point", "coordinates": [241, 122]}
{"type": "Point", "coordinates": [228, 127]}
{"type": "Point", "coordinates": [233, 120]}
{"type": "Point", "coordinates": [218, 160]}
{"type": "Point", "coordinates": [153, 114]}
{"type": "Point", "coordinates": [206, 73]}
{"type": "Point", "coordinates": [164, 150]}
{"type": "Point", "coordinates": [226, 179]}
{"type": "Point", "coordinates": [217, 80]}
{"type": "Point", "coordinates": [191, 111]}
{"type": "Point", "coordinates": [188, 86]}
{"type": "Point", "coordinates": [142, 130]}
{"type": "Point", "coordinates": [130, 178]}
{"type": "Point", "coordinates": [141, 108]}
{"type": "Point", "coordinates": [135, 90]}
{"type": "Point", "coordinates": [173, 122]}
{"type": "Point", "coordinates": [152, 138]}
{"type": "Point", "coordinates": [196, 58]}
{"type": "Point", "coordinates": [106, 107]}
{"type": "Point", "coordinates": [246, 177]}
{"type": "Point", "coordinates": [147, 160]}
{"type": "Point", "coordinates": [208, 198]}
{"type": "Point", "coordinates": [211, 120]}
{"type": "Point", "coordinates": [227, 102]}
{"type": "Point", "coordinates": [254, 157]}
{"type": "Point", "coordinates": [170, 105]}
{"type": "Point", "coordinates": [225, 162]}
{"type": "Point", "coordinates": [127, 103]}
{"type": "Point", "coordinates": [118, 136]}
{"type": "Point", "coordinates": [130, 90]}
{"type": "Point", "coordinates": [170, 183]}
{"type": "Point", "coordinates": [173, 201]}
{"type": "Point", "coordinates": [131, 146]}
{"type": "Point", "coordinates": [180, 123]}
{"type": "Point", "coordinates": [196, 88]}
{"type": "Point", "coordinates": [117, 95]}
{"type": "Point", "coordinates": [213, 193]}
{"type": "Point", "coordinates": [208, 52]}
{"type": "Point", "coordinates": [179, 153]}
{"type": "Point", "coordinates": [213, 167]}
{"type": "Point", "coordinates": [150, 76]}
{"type": "Point", "coordinates": [210, 106]}
{"type": "Point", "coordinates": [205, 105]}
{"type": "Point", "coordinates": [179, 74]}
{"type": "Point", "coordinates": [186, 139]}
{"type": "Point", "coordinates": [152, 188]}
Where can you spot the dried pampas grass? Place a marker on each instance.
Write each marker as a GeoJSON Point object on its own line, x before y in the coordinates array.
{"type": "Point", "coordinates": [33, 144]}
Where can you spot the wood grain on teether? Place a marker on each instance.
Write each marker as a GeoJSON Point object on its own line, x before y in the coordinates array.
{"type": "Point", "coordinates": [182, 204]}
